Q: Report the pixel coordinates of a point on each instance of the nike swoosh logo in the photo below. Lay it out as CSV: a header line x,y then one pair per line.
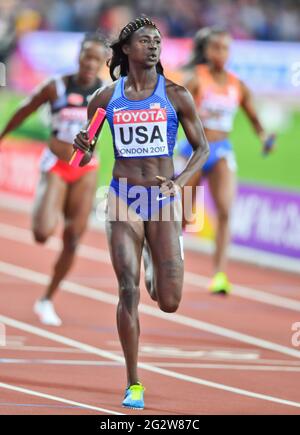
x,y
160,198
117,109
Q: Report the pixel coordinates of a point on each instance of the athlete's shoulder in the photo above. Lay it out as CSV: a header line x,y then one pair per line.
x,y
58,80
46,90
234,78
191,79
178,95
175,88
55,86
106,91
101,97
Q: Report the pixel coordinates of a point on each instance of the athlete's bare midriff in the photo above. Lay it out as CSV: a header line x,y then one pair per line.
x,y
142,172
63,150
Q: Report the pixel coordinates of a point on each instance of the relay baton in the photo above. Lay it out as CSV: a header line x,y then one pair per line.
x,y
92,129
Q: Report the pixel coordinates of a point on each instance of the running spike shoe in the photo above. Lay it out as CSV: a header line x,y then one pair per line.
x,y
220,284
134,397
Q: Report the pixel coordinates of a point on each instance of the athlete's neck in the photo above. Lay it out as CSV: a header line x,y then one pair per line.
x,y
141,79
218,71
219,75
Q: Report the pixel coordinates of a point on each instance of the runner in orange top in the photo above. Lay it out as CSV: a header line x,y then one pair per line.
x,y
218,94
62,189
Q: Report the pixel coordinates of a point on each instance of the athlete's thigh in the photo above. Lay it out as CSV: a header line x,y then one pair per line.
x,y
49,202
222,184
79,201
125,244
165,242
126,239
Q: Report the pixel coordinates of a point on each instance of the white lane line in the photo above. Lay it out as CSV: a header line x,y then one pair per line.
x,y
22,235
197,280
275,362
227,367
56,399
184,365
39,278
145,366
45,349
64,362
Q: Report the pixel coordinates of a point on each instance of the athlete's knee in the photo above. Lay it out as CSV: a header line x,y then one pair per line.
x,y
71,238
223,214
169,304
129,292
41,234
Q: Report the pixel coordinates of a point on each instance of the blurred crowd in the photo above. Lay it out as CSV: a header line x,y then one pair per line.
x,y
245,19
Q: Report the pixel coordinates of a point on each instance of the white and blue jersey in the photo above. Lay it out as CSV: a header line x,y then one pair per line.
x,y
142,128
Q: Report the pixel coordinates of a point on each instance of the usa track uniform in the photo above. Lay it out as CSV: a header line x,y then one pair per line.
x,y
142,129
68,117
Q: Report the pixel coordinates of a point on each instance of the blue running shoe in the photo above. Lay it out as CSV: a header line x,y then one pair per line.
x,y
134,397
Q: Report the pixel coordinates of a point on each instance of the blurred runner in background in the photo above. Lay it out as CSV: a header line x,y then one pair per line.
x,y
63,190
218,94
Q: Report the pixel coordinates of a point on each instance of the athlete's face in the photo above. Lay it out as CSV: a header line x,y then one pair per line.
x,y
144,46
91,60
217,50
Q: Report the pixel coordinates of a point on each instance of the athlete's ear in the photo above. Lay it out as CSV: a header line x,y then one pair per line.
x,y
126,49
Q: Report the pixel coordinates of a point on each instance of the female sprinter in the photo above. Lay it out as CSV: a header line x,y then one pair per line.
x,y
143,110
63,189
218,94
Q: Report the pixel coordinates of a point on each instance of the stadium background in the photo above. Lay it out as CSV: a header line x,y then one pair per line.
x,y
39,39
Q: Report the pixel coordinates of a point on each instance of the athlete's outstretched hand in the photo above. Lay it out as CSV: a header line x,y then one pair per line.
x,y
268,143
167,186
82,143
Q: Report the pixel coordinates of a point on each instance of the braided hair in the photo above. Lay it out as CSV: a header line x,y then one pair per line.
x,y
119,59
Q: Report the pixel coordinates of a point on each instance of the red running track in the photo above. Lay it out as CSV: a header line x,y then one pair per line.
x,y
217,355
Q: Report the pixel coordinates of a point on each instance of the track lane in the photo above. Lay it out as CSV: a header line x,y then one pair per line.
x,y
92,322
